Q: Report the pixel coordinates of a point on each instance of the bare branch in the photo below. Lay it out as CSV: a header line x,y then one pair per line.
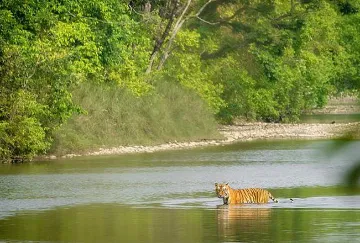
x,y
159,43
180,21
197,15
207,22
203,7
133,10
177,27
183,13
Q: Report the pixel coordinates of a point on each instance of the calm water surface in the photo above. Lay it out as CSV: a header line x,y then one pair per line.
x,y
169,196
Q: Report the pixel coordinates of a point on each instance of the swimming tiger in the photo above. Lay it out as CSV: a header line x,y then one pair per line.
x,y
247,195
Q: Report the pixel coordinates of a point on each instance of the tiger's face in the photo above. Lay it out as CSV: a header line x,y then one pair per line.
x,y
217,189
222,191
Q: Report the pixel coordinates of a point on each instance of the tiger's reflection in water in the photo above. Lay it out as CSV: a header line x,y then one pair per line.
x,y
240,223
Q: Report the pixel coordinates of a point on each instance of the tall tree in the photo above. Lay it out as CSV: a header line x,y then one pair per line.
x,y
178,12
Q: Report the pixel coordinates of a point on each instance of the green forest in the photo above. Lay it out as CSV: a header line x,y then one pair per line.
x,y
81,74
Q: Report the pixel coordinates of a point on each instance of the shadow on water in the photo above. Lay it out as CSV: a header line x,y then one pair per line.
x,y
237,223
254,224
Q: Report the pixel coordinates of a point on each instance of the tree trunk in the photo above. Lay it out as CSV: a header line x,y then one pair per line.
x,y
159,42
180,21
177,27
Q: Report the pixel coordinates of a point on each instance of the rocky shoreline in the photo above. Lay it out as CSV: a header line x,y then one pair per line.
x,y
340,105
244,131
237,133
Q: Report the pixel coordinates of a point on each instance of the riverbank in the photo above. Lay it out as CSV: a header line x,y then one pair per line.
x,y
340,105
237,133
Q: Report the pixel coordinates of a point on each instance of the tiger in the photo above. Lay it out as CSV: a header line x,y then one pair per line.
x,y
247,195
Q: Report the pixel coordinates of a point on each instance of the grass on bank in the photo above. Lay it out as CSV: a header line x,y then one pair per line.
x,y
115,117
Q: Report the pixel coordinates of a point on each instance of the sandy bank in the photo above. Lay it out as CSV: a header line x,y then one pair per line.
x,y
240,132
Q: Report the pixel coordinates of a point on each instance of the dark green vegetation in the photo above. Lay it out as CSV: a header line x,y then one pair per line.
x,y
262,60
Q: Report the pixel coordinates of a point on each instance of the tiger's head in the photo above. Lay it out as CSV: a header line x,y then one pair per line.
x,y
222,191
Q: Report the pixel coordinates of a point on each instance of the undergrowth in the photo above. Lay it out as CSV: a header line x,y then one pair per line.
x,y
115,117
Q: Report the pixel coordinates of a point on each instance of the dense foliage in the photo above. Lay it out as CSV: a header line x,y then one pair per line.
x,y
264,60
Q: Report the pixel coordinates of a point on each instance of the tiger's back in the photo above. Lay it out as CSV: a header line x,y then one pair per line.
x,y
239,196
250,195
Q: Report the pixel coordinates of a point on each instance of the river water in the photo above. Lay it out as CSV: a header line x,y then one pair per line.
x,y
169,196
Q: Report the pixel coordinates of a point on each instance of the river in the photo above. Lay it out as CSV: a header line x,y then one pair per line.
x,y
169,196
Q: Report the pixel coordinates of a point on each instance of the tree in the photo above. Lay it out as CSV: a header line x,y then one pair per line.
x,y
291,51
47,48
177,14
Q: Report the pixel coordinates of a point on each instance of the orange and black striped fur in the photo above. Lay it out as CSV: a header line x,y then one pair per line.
x,y
247,195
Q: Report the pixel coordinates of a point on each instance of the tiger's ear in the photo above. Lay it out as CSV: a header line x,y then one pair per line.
x,y
227,184
216,184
